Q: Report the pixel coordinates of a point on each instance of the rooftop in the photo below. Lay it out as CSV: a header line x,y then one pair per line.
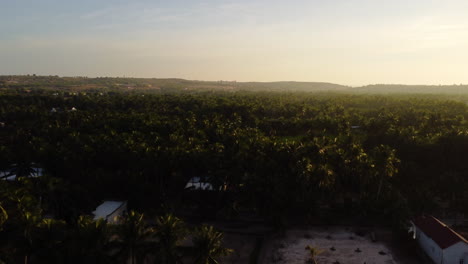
x,y
196,183
11,174
443,235
107,208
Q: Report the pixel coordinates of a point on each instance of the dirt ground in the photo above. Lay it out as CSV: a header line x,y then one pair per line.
x,y
243,245
336,245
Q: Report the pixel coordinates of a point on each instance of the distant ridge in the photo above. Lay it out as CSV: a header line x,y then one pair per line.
x,y
175,84
118,83
400,88
293,86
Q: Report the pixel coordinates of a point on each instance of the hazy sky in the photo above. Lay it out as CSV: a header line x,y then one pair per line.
x,y
350,42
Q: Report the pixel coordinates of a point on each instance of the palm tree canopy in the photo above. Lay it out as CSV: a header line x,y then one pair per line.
x,y
170,230
207,244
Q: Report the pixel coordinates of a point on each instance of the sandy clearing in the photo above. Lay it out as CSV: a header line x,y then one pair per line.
x,y
291,248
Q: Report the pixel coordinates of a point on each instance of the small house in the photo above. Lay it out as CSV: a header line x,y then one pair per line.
x,y
5,175
110,211
201,184
439,242
197,183
15,172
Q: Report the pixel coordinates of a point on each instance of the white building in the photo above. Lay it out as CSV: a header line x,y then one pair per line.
x,y
12,174
110,211
440,243
197,183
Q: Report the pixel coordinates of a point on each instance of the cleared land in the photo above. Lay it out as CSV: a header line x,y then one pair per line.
x,y
337,245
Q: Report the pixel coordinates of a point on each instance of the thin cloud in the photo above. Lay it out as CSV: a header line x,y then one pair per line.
x,y
96,14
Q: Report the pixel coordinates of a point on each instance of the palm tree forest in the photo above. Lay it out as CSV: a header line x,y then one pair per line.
x,y
279,155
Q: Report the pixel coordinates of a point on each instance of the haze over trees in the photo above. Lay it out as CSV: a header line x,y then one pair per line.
x,y
170,85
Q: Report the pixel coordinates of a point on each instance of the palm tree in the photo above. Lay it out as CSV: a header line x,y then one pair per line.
x,y
49,239
387,165
3,216
169,231
54,194
30,222
133,235
90,241
207,243
3,219
29,216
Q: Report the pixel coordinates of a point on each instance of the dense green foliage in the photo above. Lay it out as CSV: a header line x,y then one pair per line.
x,y
282,156
30,237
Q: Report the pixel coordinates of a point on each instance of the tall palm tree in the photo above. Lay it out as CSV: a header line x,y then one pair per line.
x,y
49,240
30,222
132,237
3,216
170,230
90,241
207,243
3,219
55,196
28,218
387,165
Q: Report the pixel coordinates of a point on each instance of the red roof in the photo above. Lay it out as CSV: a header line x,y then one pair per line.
x,y
443,235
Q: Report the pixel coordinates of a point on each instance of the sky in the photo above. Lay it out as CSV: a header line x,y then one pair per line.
x,y
350,42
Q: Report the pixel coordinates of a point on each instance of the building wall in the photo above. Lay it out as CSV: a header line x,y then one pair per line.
x,y
455,253
430,247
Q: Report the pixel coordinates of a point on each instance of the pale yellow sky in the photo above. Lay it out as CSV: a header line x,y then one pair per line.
x,y
352,42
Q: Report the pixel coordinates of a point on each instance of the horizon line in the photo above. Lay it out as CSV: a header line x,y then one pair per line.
x,y
232,81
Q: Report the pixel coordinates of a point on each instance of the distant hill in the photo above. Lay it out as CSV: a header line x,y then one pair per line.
x,y
84,83
293,86
32,82
426,89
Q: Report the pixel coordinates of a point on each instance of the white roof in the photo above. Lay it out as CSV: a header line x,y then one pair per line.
x,y
35,172
107,208
6,173
196,183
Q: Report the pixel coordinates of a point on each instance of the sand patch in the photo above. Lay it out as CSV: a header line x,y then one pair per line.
x,y
338,245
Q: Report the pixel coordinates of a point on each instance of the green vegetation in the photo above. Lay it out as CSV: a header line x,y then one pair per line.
x,y
208,245
286,157
313,252
29,237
